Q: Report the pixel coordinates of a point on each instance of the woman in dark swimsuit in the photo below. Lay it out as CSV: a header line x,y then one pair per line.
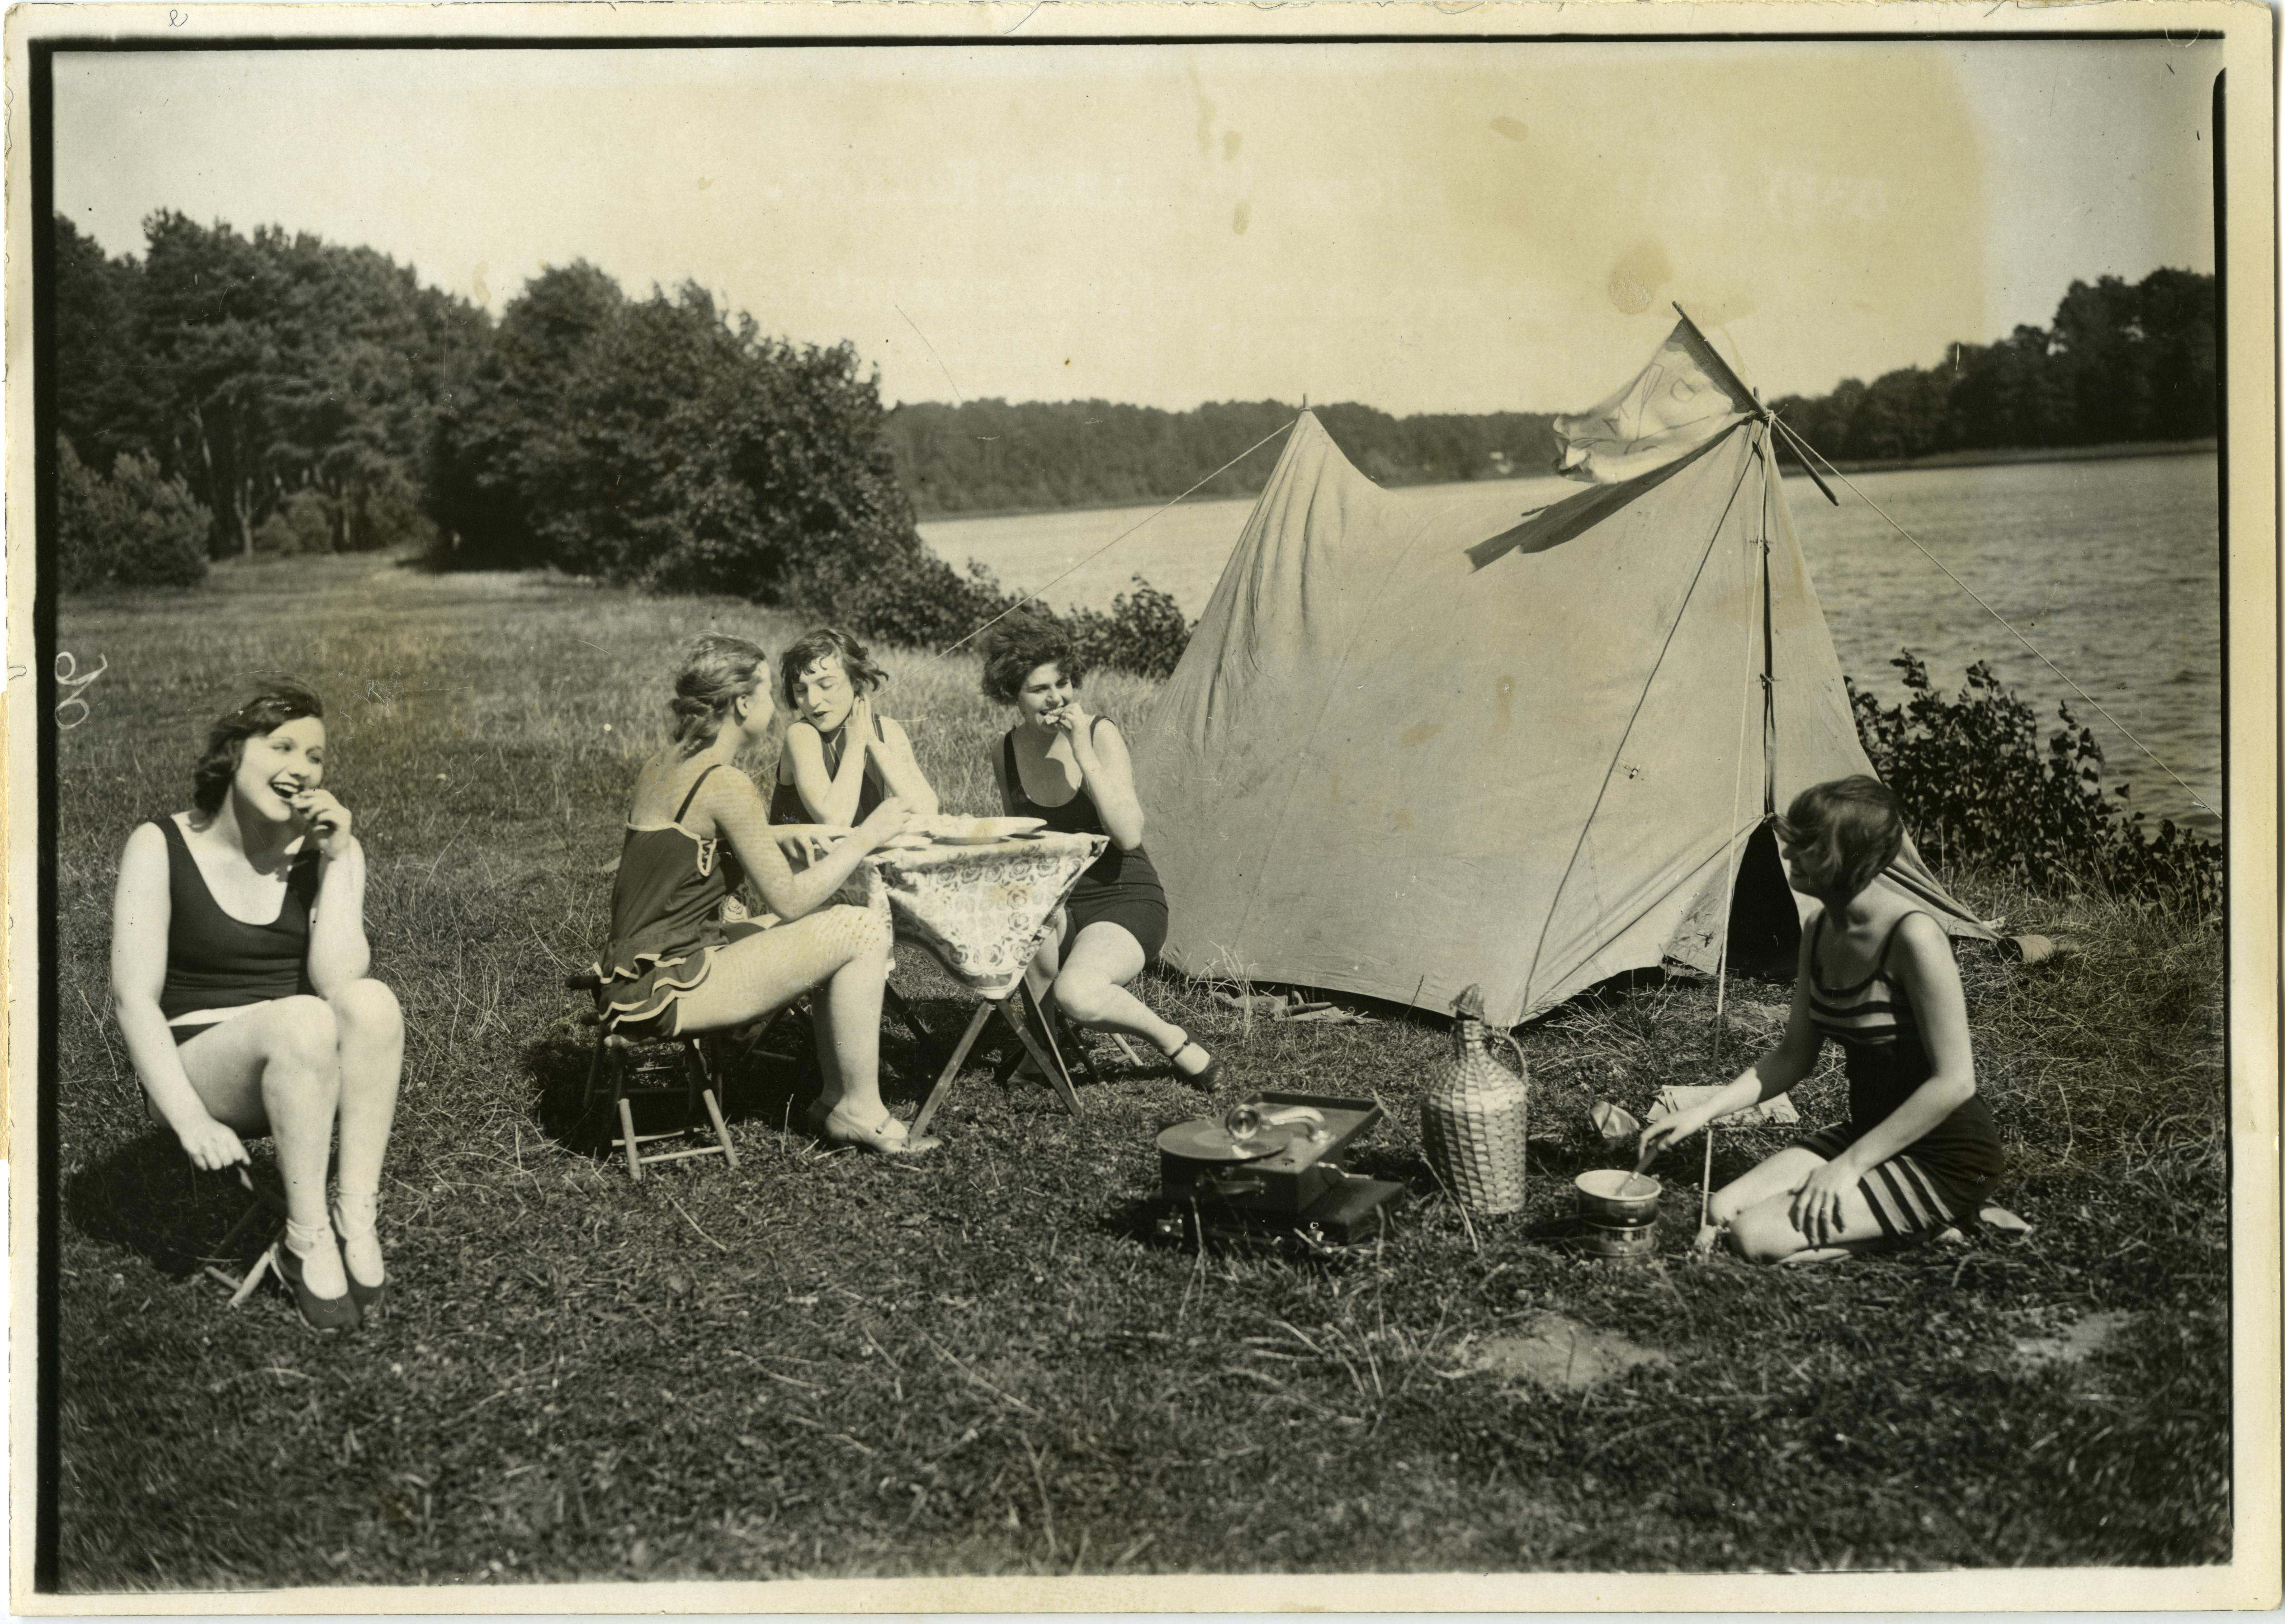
x,y
1070,769
1920,1150
239,1027
841,759
694,834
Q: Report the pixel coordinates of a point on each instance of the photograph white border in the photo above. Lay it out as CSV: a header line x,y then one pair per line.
x,y
2250,1579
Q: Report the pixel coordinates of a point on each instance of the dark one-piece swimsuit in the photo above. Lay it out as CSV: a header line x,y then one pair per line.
x,y
1944,1176
666,923
217,962
785,800
1120,888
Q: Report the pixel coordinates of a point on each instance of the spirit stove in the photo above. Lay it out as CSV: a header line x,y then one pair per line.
x,y
1271,1166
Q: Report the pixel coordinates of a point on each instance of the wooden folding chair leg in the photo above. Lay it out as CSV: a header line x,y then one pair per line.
x,y
951,1069
254,1274
721,1129
627,1138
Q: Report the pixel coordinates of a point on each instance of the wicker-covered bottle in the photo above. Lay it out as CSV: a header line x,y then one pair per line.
x,y
1473,1115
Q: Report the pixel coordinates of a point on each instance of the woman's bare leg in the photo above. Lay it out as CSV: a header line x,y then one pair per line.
x,y
275,1069
372,1030
1091,987
846,946
1765,1233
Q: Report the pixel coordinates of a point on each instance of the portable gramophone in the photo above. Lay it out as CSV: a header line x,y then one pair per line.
x,y
1270,1166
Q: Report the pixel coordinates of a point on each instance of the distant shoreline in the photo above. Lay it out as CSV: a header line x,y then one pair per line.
x,y
2030,453
1990,457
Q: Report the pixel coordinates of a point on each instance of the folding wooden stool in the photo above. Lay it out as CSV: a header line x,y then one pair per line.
x,y
264,1206
631,1068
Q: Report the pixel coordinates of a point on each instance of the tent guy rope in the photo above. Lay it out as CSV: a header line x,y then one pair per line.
x,y
1115,540
1808,451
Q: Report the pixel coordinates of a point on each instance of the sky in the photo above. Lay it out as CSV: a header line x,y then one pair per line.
x,y
1423,227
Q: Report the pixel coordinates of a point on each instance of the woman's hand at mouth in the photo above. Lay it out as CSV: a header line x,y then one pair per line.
x,y
326,819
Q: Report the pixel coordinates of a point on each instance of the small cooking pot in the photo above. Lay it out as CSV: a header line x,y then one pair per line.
x,y
1612,1196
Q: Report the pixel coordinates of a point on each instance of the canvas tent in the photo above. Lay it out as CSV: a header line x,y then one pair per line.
x,y
1414,745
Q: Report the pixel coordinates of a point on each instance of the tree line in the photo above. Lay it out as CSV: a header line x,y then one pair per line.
x,y
227,394
2121,363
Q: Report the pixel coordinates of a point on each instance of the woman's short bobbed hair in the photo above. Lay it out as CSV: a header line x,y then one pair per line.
x,y
828,643
1019,646
1844,833
271,706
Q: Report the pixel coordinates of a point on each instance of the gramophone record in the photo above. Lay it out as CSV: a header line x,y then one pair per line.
x,y
1205,1139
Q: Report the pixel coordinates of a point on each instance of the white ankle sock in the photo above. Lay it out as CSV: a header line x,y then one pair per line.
x,y
354,1214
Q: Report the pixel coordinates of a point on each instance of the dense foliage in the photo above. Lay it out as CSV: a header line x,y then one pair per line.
x,y
987,456
2120,364
138,527
657,442
1979,790
271,374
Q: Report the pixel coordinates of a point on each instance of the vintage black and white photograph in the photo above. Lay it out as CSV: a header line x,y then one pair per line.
x,y
1144,807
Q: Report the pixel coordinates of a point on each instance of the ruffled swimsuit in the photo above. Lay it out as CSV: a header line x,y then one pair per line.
x,y
666,923
1946,1173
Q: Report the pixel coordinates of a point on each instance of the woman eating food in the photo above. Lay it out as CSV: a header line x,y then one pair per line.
x,y
1069,769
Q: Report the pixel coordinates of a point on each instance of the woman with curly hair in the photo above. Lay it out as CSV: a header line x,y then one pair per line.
x,y
1070,769
842,757
694,834
238,974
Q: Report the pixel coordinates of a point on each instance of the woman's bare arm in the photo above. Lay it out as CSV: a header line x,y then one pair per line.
x,y
1109,776
828,797
141,910
901,770
742,816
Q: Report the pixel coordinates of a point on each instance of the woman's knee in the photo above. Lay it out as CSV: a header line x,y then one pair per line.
x,y
302,1052
1086,998
1760,1236
302,1030
864,932
366,1009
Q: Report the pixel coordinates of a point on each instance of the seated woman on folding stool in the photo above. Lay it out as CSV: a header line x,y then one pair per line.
x,y
1920,1148
694,834
239,1027
842,757
1115,921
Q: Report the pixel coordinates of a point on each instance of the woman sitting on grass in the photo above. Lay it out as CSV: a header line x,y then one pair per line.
x,y
1919,1150
1070,769
694,835
841,759
238,974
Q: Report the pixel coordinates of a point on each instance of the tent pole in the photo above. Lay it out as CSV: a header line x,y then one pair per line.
x,y
1759,558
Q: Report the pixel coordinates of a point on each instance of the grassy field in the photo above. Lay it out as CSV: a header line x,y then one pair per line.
x,y
825,1365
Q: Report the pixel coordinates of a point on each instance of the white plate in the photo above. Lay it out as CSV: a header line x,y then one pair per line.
x,y
981,831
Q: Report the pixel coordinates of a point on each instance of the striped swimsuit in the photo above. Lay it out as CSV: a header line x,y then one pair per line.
x,y
1948,1171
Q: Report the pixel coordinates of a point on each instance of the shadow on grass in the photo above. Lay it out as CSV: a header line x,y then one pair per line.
x,y
146,1197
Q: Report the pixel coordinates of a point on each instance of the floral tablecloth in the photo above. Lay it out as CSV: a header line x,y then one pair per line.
x,y
981,909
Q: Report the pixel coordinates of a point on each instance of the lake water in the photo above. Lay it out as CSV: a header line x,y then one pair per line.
x,y
2111,568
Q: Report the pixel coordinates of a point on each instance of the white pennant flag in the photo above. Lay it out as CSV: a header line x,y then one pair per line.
x,y
1684,398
